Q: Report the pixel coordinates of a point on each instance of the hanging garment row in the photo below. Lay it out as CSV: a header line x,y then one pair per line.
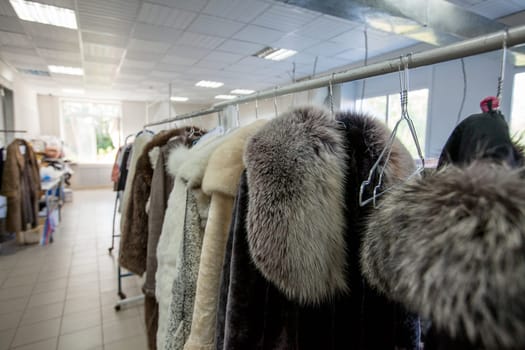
x,y
257,238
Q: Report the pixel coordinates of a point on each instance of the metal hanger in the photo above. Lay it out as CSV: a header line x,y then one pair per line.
x,y
257,106
275,104
503,63
331,95
385,154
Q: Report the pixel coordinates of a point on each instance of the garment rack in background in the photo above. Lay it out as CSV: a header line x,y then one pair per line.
x,y
482,44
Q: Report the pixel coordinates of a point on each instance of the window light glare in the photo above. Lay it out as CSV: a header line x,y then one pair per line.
x,y
46,14
270,53
242,92
66,70
225,97
209,84
73,91
178,99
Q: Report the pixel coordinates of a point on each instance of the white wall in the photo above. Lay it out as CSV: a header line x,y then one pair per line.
x,y
49,111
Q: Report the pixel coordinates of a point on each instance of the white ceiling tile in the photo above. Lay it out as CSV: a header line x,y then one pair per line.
x,y
15,39
142,55
29,51
285,17
60,61
238,10
164,75
205,24
69,4
98,59
61,55
303,58
39,30
104,39
494,9
125,76
99,68
68,79
117,9
165,16
200,40
143,65
325,27
211,64
103,25
351,55
195,53
295,42
6,9
154,47
259,35
97,50
55,45
11,24
240,47
169,67
220,56
193,5
172,59
326,49
15,58
144,31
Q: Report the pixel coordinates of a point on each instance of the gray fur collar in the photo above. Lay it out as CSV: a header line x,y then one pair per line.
x,y
296,168
451,247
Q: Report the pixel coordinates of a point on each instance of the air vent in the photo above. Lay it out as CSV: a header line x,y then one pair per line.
x,y
38,73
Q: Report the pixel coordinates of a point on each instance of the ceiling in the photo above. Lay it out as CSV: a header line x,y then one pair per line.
x,y
132,49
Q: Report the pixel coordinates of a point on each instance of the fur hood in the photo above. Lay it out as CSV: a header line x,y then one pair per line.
x,y
450,246
176,157
226,165
296,169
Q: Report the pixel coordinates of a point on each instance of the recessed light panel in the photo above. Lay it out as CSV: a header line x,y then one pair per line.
x,y
178,99
209,84
66,70
273,54
225,97
242,92
46,14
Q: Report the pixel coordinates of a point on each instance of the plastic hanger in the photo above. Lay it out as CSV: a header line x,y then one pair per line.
x,y
385,154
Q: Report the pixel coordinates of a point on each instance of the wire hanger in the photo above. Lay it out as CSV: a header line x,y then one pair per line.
x,y
385,154
331,95
503,63
275,104
257,106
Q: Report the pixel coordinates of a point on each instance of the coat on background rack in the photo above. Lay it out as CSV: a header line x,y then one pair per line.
x,y
220,183
21,186
291,276
450,245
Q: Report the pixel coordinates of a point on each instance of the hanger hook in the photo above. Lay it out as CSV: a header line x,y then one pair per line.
x,y
501,77
275,102
257,106
237,115
331,95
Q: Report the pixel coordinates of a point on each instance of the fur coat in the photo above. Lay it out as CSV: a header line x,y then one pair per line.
x,y
220,183
138,145
134,235
450,245
291,277
21,186
180,224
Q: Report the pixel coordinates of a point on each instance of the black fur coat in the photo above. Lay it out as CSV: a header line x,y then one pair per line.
x,y
291,277
451,246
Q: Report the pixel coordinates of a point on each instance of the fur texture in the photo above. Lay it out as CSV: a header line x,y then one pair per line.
x,y
133,244
296,221
451,247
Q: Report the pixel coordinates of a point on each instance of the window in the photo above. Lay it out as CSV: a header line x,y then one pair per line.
x,y
91,130
388,109
517,116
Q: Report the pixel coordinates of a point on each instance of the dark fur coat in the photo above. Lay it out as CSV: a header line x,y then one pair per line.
x,y
134,236
291,276
450,246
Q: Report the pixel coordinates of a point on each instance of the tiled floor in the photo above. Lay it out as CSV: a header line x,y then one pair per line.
x,y
62,296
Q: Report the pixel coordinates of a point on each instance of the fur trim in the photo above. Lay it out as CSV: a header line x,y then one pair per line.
x,y
192,171
225,164
450,246
176,157
153,157
295,220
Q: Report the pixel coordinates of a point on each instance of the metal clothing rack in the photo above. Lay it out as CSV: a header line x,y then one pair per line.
x,y
482,44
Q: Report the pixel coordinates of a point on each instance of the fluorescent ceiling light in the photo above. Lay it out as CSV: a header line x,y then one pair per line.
x,y
209,84
73,91
270,53
178,99
66,70
47,14
225,97
242,92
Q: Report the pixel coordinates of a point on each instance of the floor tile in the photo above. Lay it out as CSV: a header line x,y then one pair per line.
x,y
48,344
110,315
42,312
20,280
36,332
83,340
5,338
131,343
10,320
47,297
78,321
12,305
122,329
49,286
81,304
15,292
